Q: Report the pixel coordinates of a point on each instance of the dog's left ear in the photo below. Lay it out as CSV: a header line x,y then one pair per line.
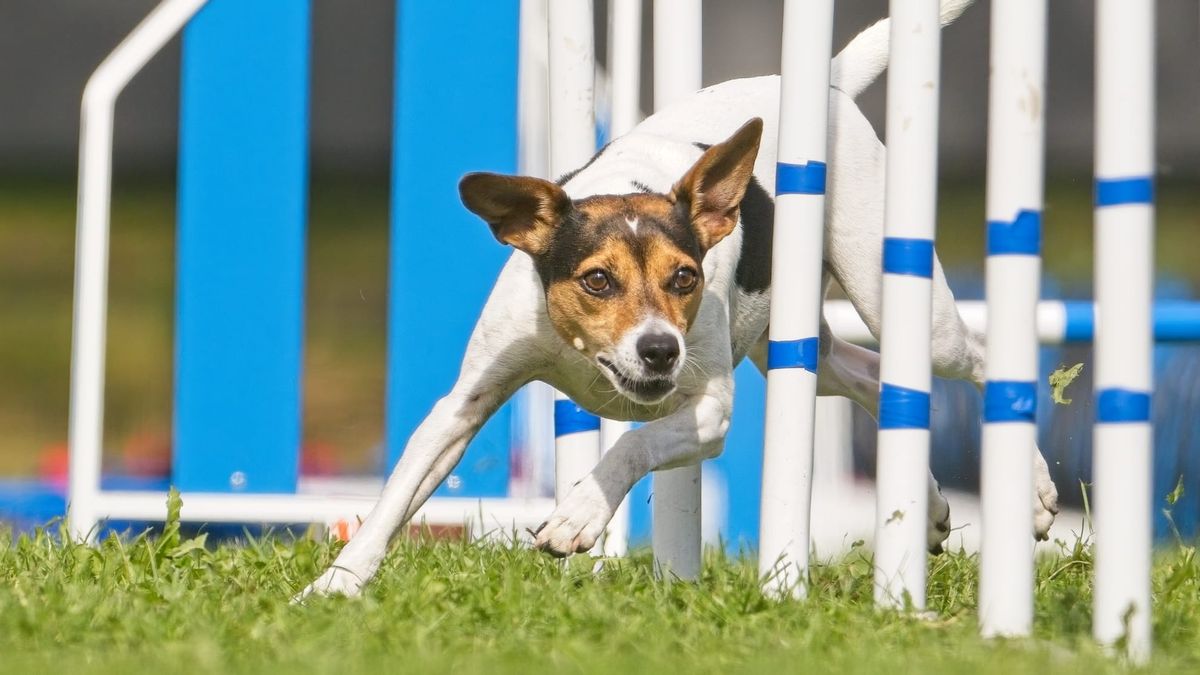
x,y
713,188
521,210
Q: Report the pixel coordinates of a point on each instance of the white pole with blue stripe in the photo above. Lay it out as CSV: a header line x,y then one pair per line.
x,y
1016,102
1123,437
676,497
909,223
572,142
625,62
795,297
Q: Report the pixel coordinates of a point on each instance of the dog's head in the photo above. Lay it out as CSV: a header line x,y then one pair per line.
x,y
622,273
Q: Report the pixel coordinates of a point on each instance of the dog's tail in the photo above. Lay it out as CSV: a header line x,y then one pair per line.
x,y
862,60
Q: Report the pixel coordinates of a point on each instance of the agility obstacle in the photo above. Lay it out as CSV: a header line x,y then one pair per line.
x,y
243,187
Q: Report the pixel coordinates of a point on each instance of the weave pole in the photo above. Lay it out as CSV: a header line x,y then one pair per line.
x,y
572,143
624,71
1124,268
796,297
909,212
676,492
1016,104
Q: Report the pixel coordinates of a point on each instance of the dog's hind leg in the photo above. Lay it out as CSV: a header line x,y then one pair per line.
x,y
957,352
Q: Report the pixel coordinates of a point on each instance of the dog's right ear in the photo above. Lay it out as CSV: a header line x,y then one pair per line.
x,y
522,211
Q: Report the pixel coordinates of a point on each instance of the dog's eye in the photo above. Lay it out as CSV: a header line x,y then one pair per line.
x,y
596,281
685,279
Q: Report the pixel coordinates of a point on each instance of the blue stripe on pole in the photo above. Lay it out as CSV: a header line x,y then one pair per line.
x,y
1022,236
910,257
800,179
903,408
1009,401
571,419
793,354
1119,191
243,192
1081,321
1122,405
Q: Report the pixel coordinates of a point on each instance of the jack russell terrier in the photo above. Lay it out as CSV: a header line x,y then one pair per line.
x,y
641,279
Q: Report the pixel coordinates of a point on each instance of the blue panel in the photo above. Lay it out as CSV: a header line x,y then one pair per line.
x,y
455,111
242,209
741,463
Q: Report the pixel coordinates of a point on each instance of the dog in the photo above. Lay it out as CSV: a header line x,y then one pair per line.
x,y
641,279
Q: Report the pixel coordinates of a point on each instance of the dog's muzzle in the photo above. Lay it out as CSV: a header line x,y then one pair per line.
x,y
647,390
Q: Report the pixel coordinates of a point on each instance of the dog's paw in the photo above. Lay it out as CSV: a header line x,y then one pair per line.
x,y
1045,499
576,523
938,528
336,580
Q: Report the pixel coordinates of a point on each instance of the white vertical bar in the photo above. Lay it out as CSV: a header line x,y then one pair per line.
x,y
624,72
86,426
796,298
909,222
676,532
1123,436
1016,103
533,157
678,50
625,64
533,105
572,85
572,142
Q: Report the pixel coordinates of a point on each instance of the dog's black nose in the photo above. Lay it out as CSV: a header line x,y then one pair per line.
x,y
658,351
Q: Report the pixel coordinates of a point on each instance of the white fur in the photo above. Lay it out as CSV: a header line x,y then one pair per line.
x,y
514,341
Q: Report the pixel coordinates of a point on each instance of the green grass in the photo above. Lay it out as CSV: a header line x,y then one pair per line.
x,y
169,604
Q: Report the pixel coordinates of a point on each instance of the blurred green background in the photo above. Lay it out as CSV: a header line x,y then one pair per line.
x,y
346,293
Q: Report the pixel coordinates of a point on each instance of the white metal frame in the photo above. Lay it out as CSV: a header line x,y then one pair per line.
x,y
88,505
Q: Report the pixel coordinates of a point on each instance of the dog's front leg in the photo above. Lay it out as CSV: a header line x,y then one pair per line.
x,y
434,449
506,349
692,433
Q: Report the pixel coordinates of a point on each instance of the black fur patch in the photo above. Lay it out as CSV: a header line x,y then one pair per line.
x,y
642,187
758,227
702,146
566,177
